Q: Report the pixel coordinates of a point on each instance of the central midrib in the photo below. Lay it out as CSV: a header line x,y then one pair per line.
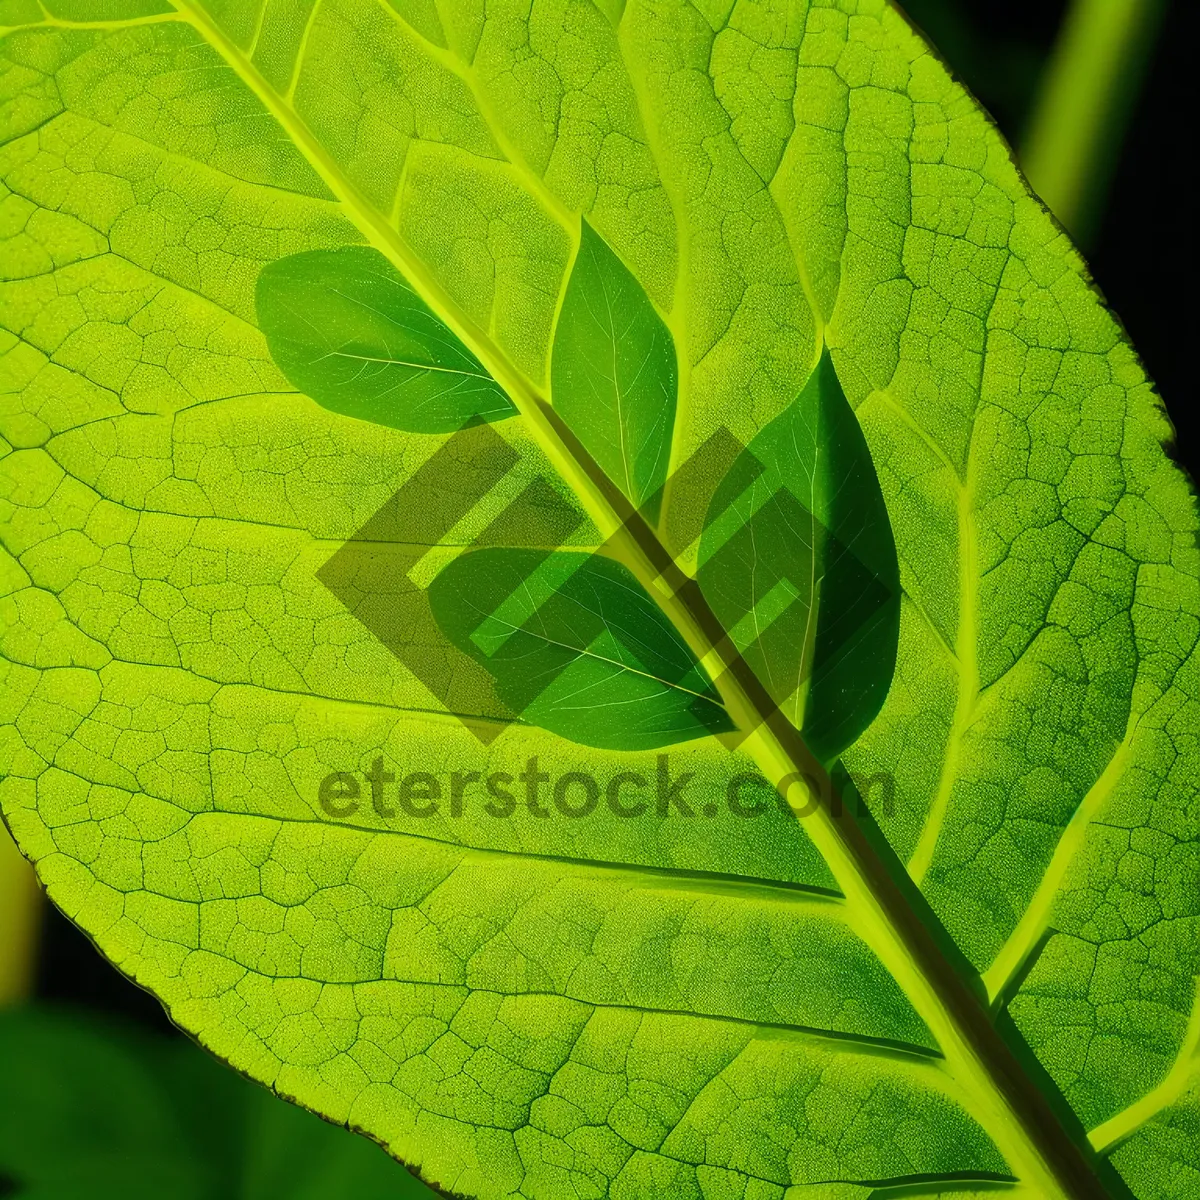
x,y
1043,1153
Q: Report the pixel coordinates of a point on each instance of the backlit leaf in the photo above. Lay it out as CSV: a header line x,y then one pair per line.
x,y
250,763
798,562
345,327
613,372
577,647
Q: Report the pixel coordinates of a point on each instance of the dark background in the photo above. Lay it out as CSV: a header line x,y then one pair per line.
x,y
1142,254
1142,257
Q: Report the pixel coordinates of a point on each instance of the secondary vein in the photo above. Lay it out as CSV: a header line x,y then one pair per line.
x,y
1018,1115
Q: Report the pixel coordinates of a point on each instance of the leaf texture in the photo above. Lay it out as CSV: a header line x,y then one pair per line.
x,y
577,647
346,328
675,1005
614,377
797,553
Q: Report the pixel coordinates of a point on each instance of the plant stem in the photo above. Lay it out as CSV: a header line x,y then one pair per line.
x,y
20,917
1084,103
1026,1131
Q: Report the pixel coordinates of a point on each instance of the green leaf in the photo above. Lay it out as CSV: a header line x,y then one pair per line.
x,y
798,563
1161,1154
578,647
987,983
613,373
93,1108
345,327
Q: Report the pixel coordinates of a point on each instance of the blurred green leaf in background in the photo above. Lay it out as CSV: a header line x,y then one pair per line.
x,y
1061,80
93,1108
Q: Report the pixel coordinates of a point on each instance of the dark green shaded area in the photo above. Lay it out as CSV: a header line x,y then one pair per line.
x,y
576,646
614,377
798,562
93,1109
346,328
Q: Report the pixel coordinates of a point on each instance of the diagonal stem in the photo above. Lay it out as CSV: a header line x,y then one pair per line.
x,y
1018,1116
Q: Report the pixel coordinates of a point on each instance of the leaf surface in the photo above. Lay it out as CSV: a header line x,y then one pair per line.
x,y
613,372
679,1003
798,562
577,647
346,328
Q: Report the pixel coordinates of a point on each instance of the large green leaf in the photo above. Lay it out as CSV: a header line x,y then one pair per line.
x,y
711,997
